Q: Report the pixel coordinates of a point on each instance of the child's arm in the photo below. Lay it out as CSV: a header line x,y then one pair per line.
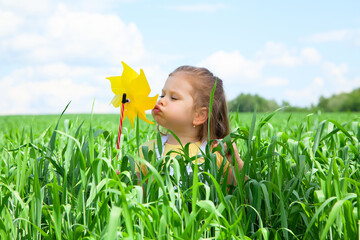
x,y
231,176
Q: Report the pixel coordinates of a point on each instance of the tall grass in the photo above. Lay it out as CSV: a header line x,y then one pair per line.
x,y
59,181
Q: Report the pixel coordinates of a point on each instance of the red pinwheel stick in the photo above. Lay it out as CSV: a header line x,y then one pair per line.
x,y
124,100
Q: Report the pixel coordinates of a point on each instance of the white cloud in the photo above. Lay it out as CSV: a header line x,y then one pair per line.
x,y
276,82
306,95
26,42
74,35
278,54
9,23
310,55
352,35
338,77
357,38
67,57
156,78
34,6
332,36
336,72
39,96
241,74
48,88
199,7
334,80
319,82
232,66
62,70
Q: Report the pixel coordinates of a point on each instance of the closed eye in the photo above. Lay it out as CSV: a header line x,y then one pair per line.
x,y
172,97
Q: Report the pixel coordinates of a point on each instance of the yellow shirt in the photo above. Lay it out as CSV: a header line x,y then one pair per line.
x,y
194,149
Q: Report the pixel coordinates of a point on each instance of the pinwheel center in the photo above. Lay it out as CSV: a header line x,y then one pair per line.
x,y
124,100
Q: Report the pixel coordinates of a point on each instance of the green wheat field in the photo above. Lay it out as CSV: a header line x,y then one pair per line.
x,y
58,180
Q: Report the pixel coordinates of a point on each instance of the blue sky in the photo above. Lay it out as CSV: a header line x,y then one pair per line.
x,y
52,52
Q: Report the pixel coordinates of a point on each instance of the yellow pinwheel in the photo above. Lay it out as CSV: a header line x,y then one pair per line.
x,y
132,93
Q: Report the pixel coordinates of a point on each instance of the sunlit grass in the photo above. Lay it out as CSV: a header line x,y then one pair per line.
x,y
60,181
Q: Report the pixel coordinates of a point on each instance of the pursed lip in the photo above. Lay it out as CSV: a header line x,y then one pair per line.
x,y
156,109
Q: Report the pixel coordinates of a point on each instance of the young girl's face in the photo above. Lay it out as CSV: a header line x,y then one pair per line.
x,y
174,110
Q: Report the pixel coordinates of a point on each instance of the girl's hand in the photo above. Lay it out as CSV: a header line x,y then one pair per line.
x,y
240,163
227,151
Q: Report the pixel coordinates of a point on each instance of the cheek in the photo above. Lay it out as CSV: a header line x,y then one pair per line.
x,y
177,108
181,113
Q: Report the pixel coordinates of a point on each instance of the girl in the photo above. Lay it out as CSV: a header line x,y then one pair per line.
x,y
183,108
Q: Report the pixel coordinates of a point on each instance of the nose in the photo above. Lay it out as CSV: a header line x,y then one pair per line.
x,y
162,102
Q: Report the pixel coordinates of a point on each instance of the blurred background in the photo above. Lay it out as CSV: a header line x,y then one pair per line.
x,y
305,54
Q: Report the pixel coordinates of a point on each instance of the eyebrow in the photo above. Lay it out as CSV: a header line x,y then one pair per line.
x,y
172,91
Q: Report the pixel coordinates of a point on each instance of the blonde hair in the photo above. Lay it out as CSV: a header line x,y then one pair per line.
x,y
202,81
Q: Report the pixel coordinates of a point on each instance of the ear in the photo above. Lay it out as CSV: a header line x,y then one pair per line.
x,y
201,116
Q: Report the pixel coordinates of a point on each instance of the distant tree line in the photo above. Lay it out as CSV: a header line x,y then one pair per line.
x,y
247,103
341,102
336,103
